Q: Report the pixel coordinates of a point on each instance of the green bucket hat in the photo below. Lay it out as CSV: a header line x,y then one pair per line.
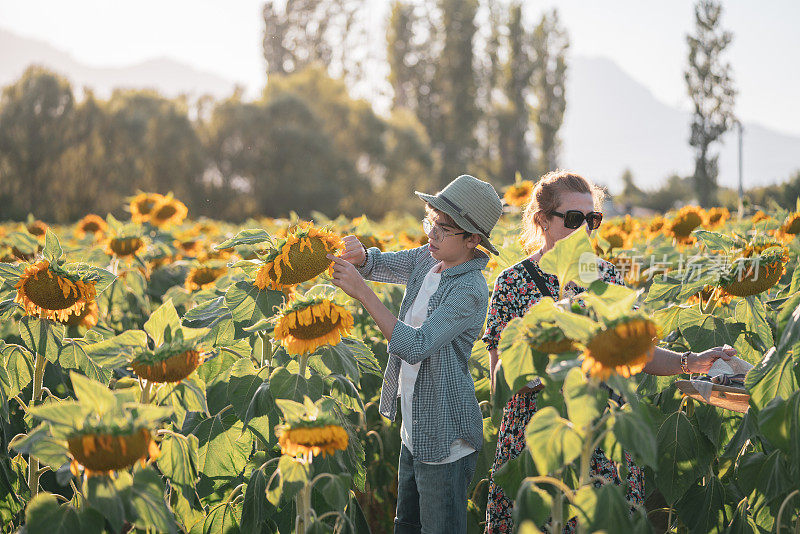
x,y
473,204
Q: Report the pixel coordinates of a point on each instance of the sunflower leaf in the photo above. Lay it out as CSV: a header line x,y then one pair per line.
x,y
117,350
52,248
571,259
179,459
42,336
44,516
552,441
103,494
40,444
92,393
252,236
163,323
144,502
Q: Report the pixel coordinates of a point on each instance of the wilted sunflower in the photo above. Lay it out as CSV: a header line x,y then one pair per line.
x,y
519,193
37,228
716,217
792,224
167,366
312,438
623,346
53,293
299,257
306,325
123,247
754,275
687,219
88,317
170,211
91,224
101,452
203,277
142,205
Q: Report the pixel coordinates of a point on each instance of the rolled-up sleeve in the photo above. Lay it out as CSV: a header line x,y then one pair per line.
x,y
390,267
458,312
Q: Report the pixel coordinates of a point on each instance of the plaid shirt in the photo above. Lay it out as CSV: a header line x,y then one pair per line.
x,y
445,407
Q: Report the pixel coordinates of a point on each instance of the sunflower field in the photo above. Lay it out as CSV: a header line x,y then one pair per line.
x,y
164,374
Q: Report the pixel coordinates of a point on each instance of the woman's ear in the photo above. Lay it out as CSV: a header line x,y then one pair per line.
x,y
541,220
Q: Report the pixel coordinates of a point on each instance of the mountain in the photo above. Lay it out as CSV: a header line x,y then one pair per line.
x,y
169,77
612,121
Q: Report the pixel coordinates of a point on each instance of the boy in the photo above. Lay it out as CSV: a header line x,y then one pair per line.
x,y
442,313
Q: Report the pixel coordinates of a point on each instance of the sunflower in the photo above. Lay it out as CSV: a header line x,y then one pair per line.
x,y
702,296
88,317
169,366
189,247
37,228
518,194
792,224
656,226
170,211
551,340
312,438
299,257
371,240
624,346
754,275
91,224
687,219
616,237
101,452
203,277
306,325
142,205
716,217
53,293
123,247
760,216
408,240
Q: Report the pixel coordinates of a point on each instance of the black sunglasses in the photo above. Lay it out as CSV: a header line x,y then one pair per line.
x,y
574,219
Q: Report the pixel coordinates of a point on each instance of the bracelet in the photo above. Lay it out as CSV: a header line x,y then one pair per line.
x,y
685,362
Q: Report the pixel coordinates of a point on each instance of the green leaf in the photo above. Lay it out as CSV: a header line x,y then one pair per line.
x,y
42,446
251,236
256,509
42,336
248,390
701,506
144,501
791,332
286,385
553,441
73,356
663,289
571,259
118,350
224,445
772,377
703,332
294,475
223,519
52,248
44,516
678,456
162,323
603,508
532,503
64,413
742,522
584,400
19,365
750,311
511,475
609,301
249,304
179,459
207,314
667,319
634,430
715,241
335,490
92,393
367,362
104,495
518,359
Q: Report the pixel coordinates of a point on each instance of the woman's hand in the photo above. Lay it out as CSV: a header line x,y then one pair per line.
x,y
701,362
354,251
347,278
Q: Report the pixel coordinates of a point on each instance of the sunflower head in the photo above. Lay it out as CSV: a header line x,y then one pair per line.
x,y
518,194
705,294
656,225
167,365
204,276
91,225
301,256
305,325
760,216
87,318
687,219
616,237
371,240
170,211
792,224
312,438
622,346
142,205
753,275
100,451
37,228
124,247
47,290
716,217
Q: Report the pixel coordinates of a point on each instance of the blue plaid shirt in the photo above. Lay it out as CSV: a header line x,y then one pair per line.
x,y
444,407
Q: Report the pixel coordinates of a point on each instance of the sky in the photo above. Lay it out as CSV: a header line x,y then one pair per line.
x,y
645,38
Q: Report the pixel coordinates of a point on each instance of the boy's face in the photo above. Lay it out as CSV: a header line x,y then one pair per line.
x,y
447,242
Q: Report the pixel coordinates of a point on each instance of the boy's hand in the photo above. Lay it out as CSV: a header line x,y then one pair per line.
x,y
347,278
353,250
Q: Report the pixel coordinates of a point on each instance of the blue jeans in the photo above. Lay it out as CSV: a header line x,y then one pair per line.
x,y
432,499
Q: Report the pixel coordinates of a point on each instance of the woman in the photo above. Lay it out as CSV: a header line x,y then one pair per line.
x,y
550,216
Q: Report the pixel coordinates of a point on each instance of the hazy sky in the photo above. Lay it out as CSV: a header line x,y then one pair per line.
x,y
646,38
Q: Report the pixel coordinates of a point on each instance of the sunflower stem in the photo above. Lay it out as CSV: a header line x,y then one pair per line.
x,y
303,501
145,398
303,362
33,463
711,303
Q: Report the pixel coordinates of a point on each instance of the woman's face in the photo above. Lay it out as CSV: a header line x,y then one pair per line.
x,y
570,200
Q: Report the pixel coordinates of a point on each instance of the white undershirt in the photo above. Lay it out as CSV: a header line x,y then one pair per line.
x,y
414,317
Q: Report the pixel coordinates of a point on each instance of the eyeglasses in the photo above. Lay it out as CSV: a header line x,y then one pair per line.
x,y
574,219
435,231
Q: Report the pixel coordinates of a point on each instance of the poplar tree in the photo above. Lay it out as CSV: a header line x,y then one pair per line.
x,y
710,85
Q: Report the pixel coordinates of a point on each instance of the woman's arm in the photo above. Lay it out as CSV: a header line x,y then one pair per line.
x,y
667,362
493,359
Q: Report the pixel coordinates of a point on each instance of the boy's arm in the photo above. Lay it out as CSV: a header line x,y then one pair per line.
x,y
372,264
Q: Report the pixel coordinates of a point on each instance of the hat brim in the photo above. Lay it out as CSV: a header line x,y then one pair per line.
x,y
462,223
727,397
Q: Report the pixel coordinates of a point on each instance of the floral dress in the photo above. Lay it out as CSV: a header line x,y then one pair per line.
x,y
514,293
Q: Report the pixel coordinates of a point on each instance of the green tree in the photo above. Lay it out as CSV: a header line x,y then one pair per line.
x,y
34,114
710,85
550,41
